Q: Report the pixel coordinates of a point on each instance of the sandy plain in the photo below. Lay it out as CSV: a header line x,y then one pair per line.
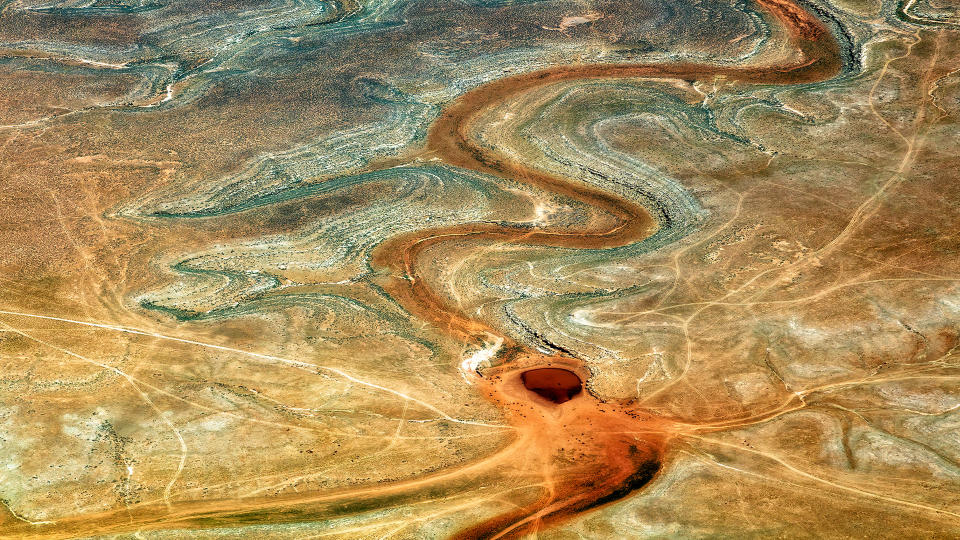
x,y
279,269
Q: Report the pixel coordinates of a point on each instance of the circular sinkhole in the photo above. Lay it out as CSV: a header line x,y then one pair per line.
x,y
557,385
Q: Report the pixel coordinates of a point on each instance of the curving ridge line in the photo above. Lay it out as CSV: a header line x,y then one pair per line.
x,y
449,139
614,463
613,460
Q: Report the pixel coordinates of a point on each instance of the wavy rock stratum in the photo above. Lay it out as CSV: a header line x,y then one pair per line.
x,y
481,269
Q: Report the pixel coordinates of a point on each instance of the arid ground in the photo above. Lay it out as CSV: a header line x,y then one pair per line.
x,y
553,269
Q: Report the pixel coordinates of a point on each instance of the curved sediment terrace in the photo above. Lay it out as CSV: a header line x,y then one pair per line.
x,y
511,270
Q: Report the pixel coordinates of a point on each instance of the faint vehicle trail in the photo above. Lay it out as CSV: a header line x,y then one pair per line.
x,y
614,448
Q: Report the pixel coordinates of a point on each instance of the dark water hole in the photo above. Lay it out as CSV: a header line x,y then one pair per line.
x,y
557,385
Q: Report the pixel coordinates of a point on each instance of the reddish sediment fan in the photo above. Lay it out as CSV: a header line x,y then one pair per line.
x,y
584,451
589,452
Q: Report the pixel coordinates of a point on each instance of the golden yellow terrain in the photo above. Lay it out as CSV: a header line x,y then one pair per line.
x,y
295,270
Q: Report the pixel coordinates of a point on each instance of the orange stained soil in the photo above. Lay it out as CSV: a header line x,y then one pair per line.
x,y
587,451
582,450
